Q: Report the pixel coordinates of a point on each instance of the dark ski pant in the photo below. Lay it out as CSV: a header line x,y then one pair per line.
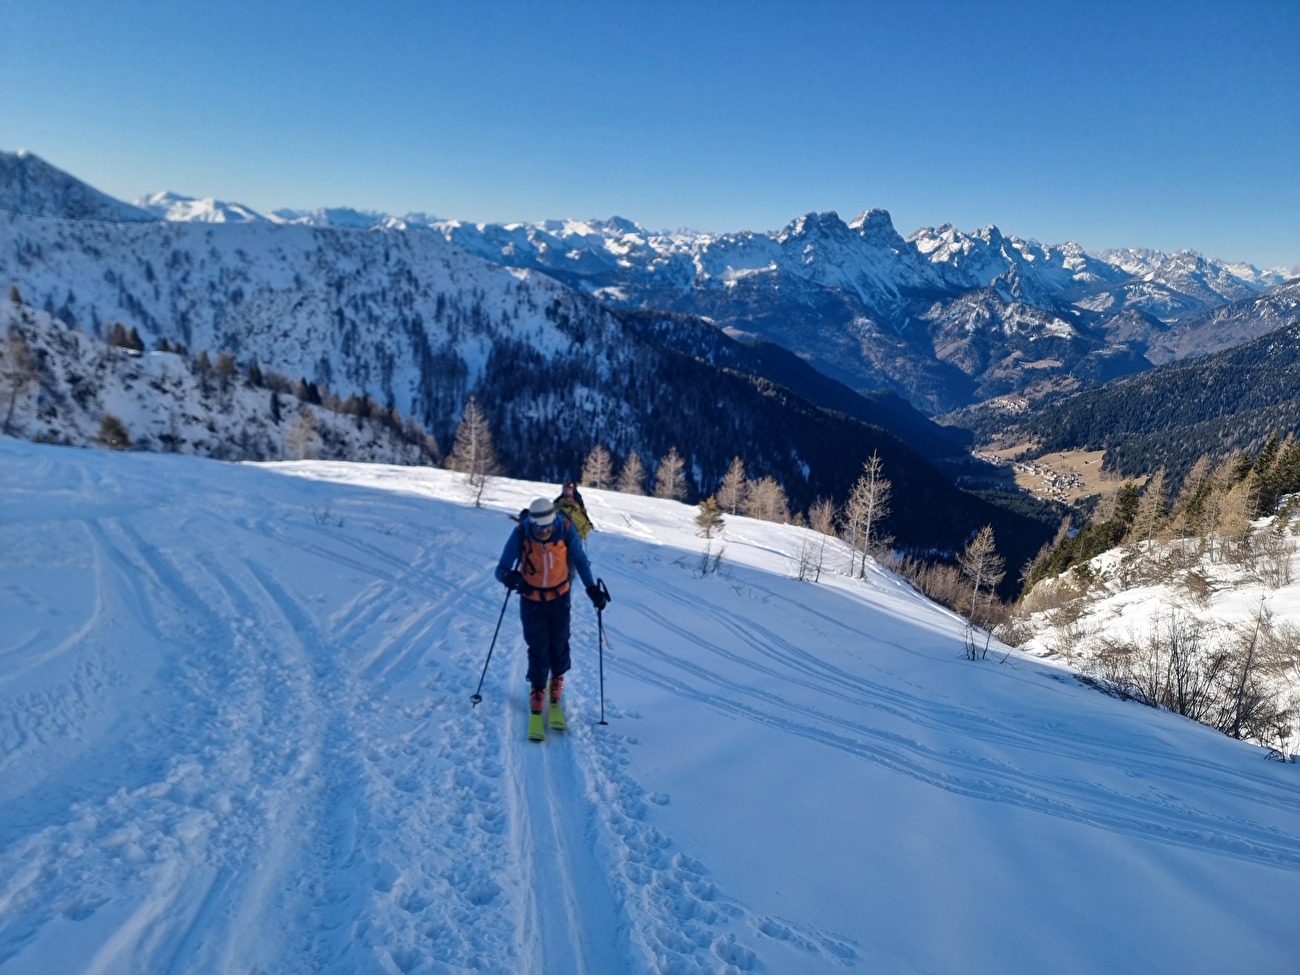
x,y
546,631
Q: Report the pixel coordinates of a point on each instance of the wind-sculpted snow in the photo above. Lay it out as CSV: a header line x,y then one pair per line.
x,y
236,735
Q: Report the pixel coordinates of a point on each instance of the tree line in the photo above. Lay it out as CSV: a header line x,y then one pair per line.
x,y
1212,512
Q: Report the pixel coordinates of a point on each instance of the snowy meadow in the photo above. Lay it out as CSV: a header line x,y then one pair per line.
x,y
236,735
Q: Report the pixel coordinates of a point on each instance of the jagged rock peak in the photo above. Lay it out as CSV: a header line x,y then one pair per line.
x,y
827,223
877,225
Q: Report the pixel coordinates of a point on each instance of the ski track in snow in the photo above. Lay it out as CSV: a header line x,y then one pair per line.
x,y
296,798
681,663
299,782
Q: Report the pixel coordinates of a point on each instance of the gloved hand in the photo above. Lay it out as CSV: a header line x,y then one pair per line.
x,y
598,597
513,579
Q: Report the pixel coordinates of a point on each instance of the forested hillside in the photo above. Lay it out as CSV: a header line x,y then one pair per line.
x,y
1170,416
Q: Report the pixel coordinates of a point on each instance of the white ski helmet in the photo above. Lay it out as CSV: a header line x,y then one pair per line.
x,y
541,512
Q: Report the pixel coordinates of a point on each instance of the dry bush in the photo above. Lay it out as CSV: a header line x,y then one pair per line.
x,y
1273,555
1238,685
1195,585
938,581
1071,638
1053,594
1014,629
1112,662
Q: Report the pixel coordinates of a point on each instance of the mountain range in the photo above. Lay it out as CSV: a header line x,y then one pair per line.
x,y
804,349
942,317
418,324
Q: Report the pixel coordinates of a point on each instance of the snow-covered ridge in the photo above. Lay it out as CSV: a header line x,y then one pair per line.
x,y
855,300
31,186
166,403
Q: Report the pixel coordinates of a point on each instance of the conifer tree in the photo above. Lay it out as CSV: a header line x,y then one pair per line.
x,y
709,521
766,499
1235,512
731,495
821,516
1190,508
1149,513
1287,480
631,478
670,478
225,370
982,569
473,452
1266,469
598,470
868,505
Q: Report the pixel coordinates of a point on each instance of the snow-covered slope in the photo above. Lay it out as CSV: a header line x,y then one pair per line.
x,y
237,736
31,186
166,401
1141,599
407,318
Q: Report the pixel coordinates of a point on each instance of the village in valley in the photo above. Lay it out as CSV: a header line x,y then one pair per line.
x,y
1065,476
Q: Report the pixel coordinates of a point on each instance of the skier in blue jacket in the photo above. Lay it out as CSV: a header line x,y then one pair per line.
x,y
536,562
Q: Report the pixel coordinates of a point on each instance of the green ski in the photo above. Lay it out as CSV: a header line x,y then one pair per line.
x,y
536,727
557,717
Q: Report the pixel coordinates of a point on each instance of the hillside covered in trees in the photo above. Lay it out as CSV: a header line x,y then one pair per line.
x,y
1168,417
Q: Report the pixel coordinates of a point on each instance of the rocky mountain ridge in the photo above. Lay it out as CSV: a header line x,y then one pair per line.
x,y
943,318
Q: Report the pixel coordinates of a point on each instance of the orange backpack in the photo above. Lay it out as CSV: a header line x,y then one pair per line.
x,y
544,565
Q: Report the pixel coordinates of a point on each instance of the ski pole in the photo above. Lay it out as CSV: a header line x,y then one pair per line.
x,y
600,629
477,696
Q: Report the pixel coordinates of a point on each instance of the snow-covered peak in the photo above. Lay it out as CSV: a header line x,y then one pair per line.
x,y
174,206
1268,278
1189,273
344,217
876,224
31,186
826,224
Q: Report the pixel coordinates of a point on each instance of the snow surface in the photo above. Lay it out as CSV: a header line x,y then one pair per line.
x,y
236,735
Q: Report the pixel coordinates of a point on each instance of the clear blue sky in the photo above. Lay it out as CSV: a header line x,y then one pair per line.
x,y
1154,124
